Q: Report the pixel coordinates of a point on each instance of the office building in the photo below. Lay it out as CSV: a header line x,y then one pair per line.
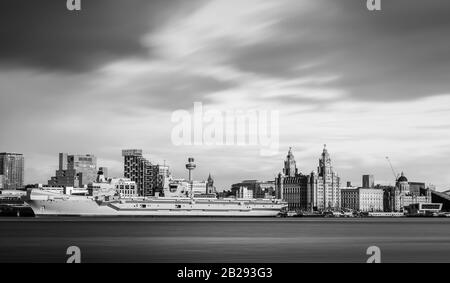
x,y
371,200
12,168
350,199
362,199
260,189
368,181
294,187
295,191
416,188
75,171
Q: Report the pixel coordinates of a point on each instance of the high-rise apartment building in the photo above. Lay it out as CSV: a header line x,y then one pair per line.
x,y
75,171
12,169
150,179
139,170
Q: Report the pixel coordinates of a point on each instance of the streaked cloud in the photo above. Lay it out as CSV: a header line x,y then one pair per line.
x,y
45,35
367,84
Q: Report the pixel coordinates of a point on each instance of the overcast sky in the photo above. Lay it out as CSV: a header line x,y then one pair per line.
x,y
367,84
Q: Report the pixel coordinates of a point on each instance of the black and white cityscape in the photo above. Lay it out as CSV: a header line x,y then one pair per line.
x,y
319,193
224,131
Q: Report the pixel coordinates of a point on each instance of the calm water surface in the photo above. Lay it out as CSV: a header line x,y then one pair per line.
x,y
224,240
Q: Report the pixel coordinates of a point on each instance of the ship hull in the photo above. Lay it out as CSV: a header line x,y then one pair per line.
x,y
91,209
51,205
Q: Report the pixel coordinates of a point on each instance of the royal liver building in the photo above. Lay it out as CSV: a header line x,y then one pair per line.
x,y
326,184
316,191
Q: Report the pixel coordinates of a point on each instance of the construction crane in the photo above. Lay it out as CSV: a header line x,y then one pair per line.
x,y
396,176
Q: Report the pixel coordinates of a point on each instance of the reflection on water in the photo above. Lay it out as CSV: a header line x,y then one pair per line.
x,y
224,240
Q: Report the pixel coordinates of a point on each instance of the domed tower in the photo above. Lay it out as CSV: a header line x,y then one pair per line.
x,y
403,184
290,166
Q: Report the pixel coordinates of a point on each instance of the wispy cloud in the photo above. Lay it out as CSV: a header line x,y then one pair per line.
x,y
369,85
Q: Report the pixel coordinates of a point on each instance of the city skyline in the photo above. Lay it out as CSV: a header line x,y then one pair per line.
x,y
290,170
364,83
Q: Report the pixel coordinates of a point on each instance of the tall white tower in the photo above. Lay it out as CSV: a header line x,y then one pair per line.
x,y
190,166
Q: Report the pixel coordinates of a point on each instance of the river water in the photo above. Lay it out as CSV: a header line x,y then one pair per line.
x,y
224,240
